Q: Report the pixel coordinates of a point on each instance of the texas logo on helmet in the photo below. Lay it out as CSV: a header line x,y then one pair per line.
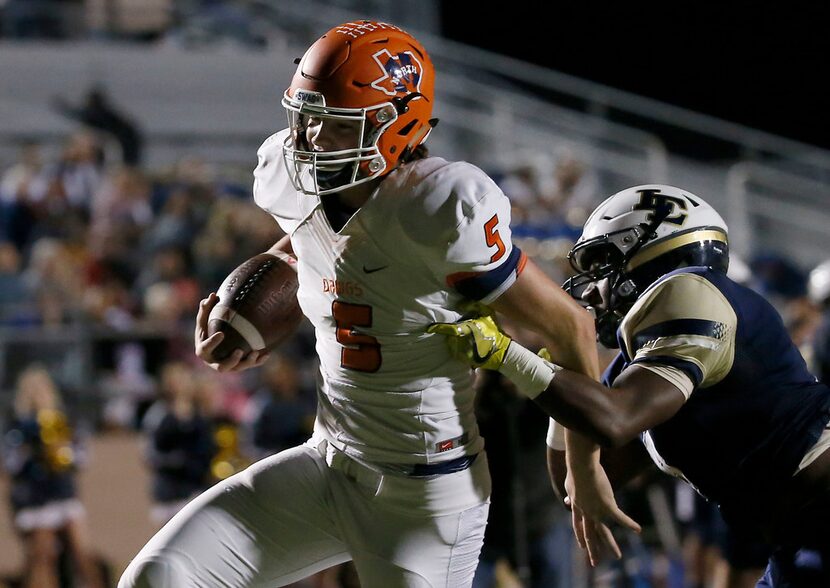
x,y
401,73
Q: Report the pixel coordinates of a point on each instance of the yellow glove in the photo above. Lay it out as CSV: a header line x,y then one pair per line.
x,y
478,341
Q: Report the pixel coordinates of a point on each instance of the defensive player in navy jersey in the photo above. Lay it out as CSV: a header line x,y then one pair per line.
x,y
707,380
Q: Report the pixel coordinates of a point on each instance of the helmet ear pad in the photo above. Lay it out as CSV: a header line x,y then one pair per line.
x,y
409,129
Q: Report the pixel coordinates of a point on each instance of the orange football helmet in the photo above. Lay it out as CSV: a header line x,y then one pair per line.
x,y
371,77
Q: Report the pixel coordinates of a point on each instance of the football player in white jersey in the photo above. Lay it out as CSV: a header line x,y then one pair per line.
x,y
388,241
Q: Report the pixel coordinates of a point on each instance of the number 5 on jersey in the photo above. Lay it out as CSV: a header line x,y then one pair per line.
x,y
493,239
360,352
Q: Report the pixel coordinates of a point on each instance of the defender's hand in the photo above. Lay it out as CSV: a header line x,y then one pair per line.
x,y
594,508
478,341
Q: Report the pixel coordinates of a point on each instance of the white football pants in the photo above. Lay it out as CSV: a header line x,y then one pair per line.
x,y
310,507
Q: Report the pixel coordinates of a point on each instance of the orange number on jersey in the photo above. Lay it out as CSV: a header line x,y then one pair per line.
x,y
493,238
360,352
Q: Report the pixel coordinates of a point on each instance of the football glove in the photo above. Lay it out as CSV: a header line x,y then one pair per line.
x,y
477,342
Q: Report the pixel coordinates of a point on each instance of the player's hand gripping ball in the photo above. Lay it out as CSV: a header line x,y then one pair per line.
x,y
257,306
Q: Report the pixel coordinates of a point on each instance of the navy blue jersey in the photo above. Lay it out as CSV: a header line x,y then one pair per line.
x,y
180,452
753,408
37,478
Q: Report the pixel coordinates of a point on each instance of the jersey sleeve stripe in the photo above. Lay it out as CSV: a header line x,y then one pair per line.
x,y
690,368
686,326
486,286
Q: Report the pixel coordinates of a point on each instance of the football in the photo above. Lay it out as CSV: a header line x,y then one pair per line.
x,y
257,306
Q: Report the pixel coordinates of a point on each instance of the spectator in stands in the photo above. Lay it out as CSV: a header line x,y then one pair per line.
x,y
281,411
803,318
18,184
521,185
50,199
573,190
223,406
213,21
13,289
54,276
784,282
129,20
61,201
818,289
108,302
550,198
778,278
527,530
129,390
180,443
176,224
79,171
96,111
169,265
32,19
121,212
41,455
195,174
162,309
227,233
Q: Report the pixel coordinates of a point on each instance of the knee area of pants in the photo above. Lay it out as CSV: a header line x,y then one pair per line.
x,y
153,573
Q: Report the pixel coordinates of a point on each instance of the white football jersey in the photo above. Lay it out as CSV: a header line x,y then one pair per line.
x,y
434,236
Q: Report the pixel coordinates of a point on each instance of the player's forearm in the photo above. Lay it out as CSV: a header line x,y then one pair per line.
x,y
598,414
582,439
578,351
537,303
569,333
557,470
582,451
621,464
582,448
584,407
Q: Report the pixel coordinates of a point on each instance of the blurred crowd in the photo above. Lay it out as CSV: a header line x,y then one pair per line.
x,y
95,245
189,23
100,254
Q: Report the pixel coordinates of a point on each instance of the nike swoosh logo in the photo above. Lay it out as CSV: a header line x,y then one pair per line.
x,y
374,269
477,357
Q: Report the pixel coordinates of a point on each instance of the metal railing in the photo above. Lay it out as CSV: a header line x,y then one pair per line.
x,y
775,210
490,117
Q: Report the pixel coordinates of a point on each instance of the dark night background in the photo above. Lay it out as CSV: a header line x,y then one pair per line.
x,y
763,66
